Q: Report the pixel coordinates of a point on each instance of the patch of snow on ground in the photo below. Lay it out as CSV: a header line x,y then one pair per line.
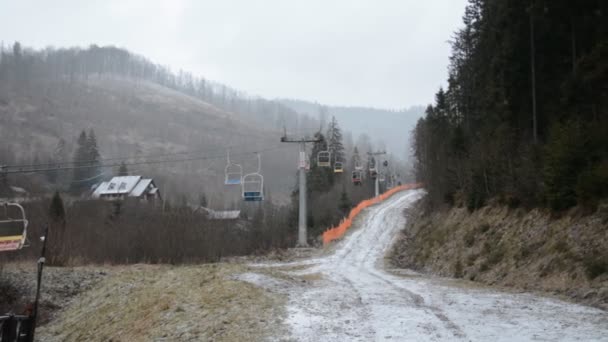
x,y
357,300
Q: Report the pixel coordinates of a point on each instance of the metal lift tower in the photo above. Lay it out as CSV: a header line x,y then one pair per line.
x,y
302,235
376,184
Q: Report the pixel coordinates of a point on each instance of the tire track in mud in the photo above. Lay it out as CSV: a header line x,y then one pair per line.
x,y
419,301
379,274
379,234
355,299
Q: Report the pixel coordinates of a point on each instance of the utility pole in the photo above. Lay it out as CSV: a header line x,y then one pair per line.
x,y
376,184
302,210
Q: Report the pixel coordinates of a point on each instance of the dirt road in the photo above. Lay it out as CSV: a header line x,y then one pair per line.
x,y
348,295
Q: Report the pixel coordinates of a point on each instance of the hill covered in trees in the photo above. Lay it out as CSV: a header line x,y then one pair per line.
x,y
525,115
390,128
137,109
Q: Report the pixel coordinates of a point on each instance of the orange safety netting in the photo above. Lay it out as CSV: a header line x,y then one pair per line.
x,y
339,230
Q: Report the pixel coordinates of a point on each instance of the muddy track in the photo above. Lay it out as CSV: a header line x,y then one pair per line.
x,y
354,299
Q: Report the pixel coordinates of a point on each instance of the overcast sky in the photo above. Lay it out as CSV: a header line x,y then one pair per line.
x,y
382,53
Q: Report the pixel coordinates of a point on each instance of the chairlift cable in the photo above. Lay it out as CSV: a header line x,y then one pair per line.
x,y
20,169
71,162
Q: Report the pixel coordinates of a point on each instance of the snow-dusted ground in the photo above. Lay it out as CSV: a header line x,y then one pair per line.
x,y
352,298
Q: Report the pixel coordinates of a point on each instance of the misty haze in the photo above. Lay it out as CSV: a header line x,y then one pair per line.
x,y
303,170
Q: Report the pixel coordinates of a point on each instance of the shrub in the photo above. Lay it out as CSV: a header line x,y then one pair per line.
x,y
564,161
469,238
471,259
496,255
592,185
458,270
142,233
595,265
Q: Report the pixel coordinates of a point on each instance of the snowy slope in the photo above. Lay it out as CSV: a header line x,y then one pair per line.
x,y
353,298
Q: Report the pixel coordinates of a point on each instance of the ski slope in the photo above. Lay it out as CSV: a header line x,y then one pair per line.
x,y
353,298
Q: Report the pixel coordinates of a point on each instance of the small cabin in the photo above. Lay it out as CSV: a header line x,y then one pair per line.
x,y
122,187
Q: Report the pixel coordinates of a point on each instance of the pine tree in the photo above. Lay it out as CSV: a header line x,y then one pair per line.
x,y
122,170
56,209
202,200
320,179
92,160
92,152
334,142
80,157
57,249
345,203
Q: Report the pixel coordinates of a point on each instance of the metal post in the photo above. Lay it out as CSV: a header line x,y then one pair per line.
x,y
41,262
377,186
377,166
302,213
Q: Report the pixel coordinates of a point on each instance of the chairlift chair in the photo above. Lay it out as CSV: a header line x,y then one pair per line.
x,y
338,167
13,231
233,173
253,185
324,159
391,182
372,165
358,165
357,178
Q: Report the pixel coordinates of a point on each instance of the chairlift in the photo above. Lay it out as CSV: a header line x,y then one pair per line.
x,y
358,165
253,184
357,177
391,182
381,178
324,159
372,165
13,231
338,167
373,171
233,172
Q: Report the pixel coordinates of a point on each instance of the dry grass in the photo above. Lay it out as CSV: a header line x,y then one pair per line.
x,y
144,302
524,249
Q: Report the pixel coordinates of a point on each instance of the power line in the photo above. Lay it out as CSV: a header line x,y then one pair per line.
x,y
90,178
145,162
62,163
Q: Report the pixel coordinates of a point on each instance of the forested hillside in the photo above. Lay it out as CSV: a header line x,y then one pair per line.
x,y
525,115
137,109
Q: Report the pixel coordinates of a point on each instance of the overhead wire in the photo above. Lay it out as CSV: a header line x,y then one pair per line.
x,y
24,169
72,162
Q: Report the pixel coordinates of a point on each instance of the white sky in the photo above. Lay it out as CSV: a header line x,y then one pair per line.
x,y
382,53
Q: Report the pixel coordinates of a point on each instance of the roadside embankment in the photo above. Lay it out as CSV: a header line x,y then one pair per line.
x,y
496,245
